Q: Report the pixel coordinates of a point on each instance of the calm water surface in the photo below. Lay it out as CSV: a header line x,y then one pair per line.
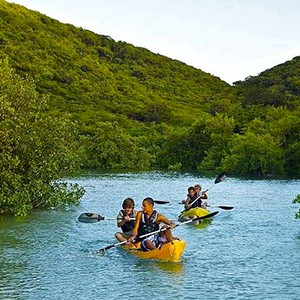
x,y
250,252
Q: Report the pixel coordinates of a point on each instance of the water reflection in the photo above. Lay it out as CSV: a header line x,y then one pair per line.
x,y
154,266
169,267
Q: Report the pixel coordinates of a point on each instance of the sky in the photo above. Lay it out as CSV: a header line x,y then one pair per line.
x,y
230,39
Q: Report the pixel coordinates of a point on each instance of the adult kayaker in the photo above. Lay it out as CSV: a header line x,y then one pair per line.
x,y
193,198
125,220
148,220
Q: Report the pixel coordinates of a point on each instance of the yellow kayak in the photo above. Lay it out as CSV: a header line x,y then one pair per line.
x,y
195,212
171,251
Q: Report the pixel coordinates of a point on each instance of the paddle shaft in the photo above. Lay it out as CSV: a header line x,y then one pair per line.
x,y
220,178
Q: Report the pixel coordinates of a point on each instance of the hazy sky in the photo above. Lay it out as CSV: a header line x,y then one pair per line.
x,y
231,39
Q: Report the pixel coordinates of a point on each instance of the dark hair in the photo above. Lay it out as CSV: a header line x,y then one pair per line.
x,y
191,188
149,200
128,202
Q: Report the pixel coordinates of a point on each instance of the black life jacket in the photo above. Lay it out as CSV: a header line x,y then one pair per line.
x,y
192,199
128,226
148,225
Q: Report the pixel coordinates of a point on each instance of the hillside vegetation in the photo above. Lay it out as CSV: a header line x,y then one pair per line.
x,y
134,109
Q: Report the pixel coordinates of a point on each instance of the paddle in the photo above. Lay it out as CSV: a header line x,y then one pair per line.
x,y
157,231
161,202
219,179
217,206
93,218
222,207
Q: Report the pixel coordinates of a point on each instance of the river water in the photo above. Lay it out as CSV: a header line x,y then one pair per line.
x,y
250,252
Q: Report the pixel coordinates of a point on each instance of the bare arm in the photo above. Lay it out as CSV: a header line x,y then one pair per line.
x,y
187,203
136,227
162,218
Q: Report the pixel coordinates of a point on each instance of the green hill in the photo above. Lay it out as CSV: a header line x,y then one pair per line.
x,y
278,86
96,78
135,109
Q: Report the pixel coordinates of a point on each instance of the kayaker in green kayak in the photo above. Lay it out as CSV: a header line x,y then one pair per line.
x,y
148,220
203,195
194,197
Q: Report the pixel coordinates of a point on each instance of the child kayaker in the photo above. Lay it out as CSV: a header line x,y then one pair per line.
x,y
203,195
126,220
148,220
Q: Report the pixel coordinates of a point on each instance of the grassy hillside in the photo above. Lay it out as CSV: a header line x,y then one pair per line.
x,y
98,79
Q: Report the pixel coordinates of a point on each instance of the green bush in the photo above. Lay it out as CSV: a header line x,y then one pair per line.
x,y
297,200
253,154
37,148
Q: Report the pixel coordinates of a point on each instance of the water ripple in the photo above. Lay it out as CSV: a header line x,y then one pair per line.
x,y
250,252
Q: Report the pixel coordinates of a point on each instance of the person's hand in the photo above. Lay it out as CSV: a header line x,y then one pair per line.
x,y
172,225
127,218
131,239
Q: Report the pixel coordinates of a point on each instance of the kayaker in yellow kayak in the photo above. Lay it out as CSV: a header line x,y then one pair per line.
x,y
125,220
148,220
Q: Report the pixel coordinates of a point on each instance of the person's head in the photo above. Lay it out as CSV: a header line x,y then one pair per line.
x,y
147,205
128,205
191,191
197,188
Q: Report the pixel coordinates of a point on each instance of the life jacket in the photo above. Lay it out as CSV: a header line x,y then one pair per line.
x,y
192,199
148,225
128,226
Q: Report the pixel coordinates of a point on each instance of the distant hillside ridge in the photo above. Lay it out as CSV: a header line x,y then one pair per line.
x,y
96,78
278,86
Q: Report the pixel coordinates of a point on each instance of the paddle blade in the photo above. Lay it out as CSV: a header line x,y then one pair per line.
x,y
225,207
206,217
161,202
90,218
221,177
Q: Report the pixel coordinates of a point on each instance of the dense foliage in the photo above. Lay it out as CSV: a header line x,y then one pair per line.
x,y
297,200
37,148
138,110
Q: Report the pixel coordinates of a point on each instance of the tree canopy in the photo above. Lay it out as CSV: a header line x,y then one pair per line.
x,y
37,148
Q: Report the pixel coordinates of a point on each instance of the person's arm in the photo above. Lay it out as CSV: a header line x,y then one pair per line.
x,y
121,220
162,218
136,227
187,203
203,195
